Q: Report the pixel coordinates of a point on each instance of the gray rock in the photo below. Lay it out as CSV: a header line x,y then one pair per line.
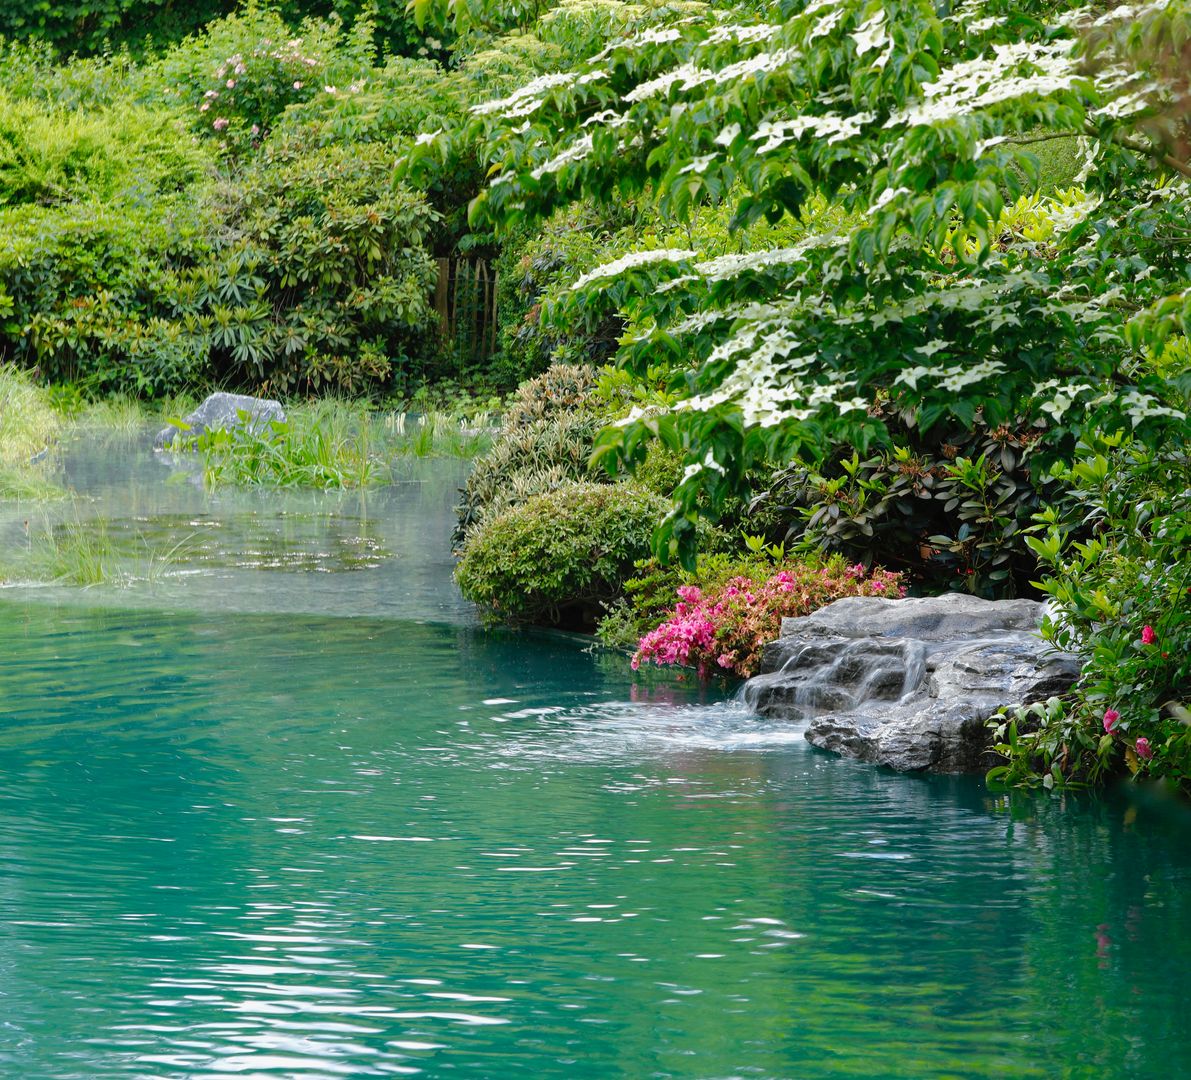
x,y
223,411
909,683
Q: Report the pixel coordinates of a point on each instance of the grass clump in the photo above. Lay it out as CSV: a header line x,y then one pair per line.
x,y
327,444
28,427
64,552
84,551
28,484
28,423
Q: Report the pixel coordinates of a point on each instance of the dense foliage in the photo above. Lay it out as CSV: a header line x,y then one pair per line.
x,y
228,210
918,123
90,26
1122,600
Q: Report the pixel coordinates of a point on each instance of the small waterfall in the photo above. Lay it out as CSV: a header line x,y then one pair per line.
x,y
908,683
915,653
840,676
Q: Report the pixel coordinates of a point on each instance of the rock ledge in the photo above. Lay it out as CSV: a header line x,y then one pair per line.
x,y
909,683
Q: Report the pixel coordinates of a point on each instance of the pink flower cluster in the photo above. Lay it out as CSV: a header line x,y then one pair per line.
x,y
243,82
727,627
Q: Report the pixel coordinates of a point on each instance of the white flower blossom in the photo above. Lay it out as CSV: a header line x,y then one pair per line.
x,y
525,95
631,262
578,150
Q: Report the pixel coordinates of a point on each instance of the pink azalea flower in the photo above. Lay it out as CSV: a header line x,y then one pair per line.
x,y
1111,716
1144,751
1148,637
220,123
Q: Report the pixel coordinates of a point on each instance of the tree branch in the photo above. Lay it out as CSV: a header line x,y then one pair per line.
x,y
1149,151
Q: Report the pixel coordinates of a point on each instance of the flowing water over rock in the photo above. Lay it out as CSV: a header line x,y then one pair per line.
x,y
241,836
908,683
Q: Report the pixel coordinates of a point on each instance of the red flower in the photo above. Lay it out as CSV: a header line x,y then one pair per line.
x,y
1148,637
1142,746
1111,716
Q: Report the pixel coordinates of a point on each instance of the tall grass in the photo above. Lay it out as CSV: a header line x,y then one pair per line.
x,y
325,444
121,414
28,427
28,423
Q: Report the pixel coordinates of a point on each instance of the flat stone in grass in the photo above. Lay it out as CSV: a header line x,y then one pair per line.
x,y
223,411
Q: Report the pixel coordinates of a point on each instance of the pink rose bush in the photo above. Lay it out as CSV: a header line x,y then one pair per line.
x,y
722,629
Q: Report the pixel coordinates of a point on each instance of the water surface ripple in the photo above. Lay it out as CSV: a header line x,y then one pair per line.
x,y
297,847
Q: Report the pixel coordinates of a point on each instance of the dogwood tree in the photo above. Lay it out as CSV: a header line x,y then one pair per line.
x,y
918,122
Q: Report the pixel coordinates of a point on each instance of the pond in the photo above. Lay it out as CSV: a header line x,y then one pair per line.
x,y
285,811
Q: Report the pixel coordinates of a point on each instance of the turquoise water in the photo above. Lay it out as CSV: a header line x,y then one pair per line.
x,y
298,845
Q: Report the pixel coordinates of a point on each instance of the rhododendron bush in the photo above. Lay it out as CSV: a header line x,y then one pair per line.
x,y
722,629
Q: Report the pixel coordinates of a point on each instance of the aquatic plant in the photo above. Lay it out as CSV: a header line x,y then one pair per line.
x,y
326,444
28,427
28,423
435,434
67,547
28,484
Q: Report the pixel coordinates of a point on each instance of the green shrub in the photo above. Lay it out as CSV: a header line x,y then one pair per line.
x,y
308,271
235,79
545,441
94,292
1121,599
88,26
558,557
126,154
321,280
